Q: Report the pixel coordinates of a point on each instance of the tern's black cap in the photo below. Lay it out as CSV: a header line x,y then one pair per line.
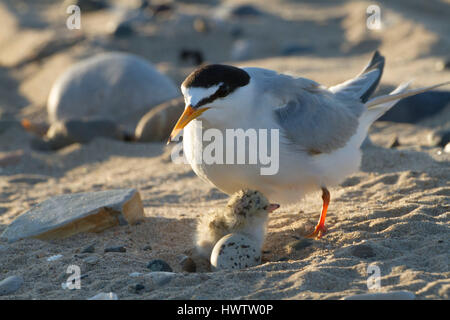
x,y
228,77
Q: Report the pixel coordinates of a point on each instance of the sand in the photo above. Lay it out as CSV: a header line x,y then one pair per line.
x,y
393,214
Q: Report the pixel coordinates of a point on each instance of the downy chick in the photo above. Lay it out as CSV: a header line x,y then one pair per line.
x,y
246,212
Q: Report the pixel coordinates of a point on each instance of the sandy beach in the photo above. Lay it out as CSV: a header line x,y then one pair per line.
x,y
393,214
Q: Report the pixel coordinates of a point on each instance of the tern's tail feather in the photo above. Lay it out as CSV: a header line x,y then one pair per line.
x,y
379,105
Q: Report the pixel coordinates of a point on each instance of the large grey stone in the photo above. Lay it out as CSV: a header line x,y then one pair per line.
x,y
10,285
157,124
118,86
65,215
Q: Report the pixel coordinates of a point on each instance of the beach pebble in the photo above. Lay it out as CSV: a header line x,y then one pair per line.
x,y
65,215
295,49
394,295
100,87
105,296
66,132
147,248
136,288
160,278
159,265
122,29
156,125
416,108
89,249
439,138
135,274
235,251
116,249
10,285
187,264
55,257
91,260
363,251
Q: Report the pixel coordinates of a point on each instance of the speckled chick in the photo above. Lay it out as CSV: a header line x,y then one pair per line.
x,y
246,213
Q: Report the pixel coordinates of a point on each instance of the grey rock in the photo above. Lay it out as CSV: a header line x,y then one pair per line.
x,y
104,296
91,260
157,124
120,87
89,249
160,278
122,30
66,132
295,49
116,249
363,251
147,248
65,215
417,108
136,288
159,265
439,138
10,285
394,295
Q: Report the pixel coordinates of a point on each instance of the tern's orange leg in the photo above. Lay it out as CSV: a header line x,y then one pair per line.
x,y
320,229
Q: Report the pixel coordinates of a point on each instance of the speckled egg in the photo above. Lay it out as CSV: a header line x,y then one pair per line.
x,y
235,251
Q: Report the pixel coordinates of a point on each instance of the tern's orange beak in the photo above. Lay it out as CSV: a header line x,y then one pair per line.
x,y
272,207
188,115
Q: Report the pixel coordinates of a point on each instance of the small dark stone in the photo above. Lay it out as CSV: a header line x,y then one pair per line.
x,y
283,259
245,10
89,249
439,138
295,49
159,265
136,288
362,251
394,143
188,265
123,30
417,108
160,9
147,248
194,56
116,249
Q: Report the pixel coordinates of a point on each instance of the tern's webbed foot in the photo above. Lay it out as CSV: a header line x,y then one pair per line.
x,y
318,232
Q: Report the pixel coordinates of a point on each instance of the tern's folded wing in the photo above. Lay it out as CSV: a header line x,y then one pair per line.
x,y
318,122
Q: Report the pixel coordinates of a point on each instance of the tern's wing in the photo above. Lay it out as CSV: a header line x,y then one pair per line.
x,y
364,84
316,121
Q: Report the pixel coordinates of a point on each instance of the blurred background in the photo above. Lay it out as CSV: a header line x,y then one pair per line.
x,y
328,41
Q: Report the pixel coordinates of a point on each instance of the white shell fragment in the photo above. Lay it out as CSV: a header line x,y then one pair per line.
x,y
235,251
